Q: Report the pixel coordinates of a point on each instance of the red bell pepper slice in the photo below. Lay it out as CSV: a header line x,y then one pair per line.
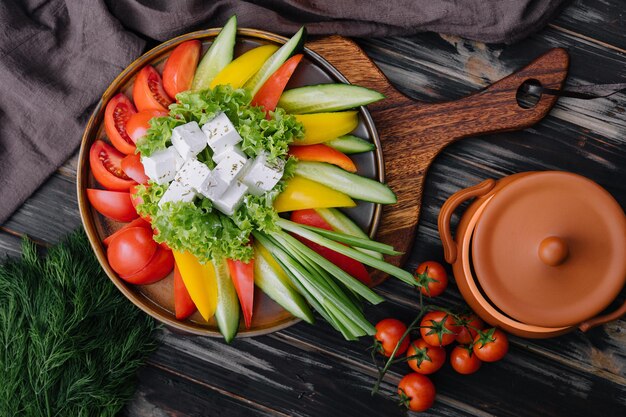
x,y
183,304
311,218
270,92
323,153
242,275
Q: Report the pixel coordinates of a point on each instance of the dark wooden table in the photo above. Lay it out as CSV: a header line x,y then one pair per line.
x,y
310,370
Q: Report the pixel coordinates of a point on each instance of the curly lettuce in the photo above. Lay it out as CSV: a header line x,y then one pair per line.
x,y
259,134
197,227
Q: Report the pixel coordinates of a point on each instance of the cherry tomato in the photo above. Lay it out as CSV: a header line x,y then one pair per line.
x,y
118,111
106,166
159,266
139,222
468,325
183,304
464,361
181,66
432,278
139,123
131,250
133,168
148,92
438,329
113,204
416,392
491,345
428,359
388,334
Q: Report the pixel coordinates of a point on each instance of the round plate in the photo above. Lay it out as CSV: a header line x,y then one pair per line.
x,y
158,299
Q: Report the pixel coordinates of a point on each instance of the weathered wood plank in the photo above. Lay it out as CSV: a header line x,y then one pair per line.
x,y
9,246
293,380
161,393
601,21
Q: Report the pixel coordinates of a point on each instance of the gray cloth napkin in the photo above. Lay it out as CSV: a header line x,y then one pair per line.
x,y
58,56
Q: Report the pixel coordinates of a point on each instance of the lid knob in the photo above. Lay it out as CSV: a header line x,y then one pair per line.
x,y
553,251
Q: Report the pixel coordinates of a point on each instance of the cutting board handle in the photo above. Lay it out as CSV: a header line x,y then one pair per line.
x,y
412,133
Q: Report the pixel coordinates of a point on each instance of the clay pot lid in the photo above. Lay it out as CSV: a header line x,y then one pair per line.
x,y
550,249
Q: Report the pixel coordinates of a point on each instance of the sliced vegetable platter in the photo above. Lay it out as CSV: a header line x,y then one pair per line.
x,y
263,315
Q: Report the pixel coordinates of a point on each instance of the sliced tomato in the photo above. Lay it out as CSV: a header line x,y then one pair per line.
x,y
131,250
181,66
133,168
183,304
115,205
139,222
269,94
157,268
106,167
139,123
148,92
118,111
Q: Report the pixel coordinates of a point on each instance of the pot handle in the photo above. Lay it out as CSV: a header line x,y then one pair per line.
x,y
445,215
600,320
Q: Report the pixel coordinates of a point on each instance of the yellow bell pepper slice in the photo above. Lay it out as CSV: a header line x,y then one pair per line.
x,y
244,67
301,193
321,127
200,281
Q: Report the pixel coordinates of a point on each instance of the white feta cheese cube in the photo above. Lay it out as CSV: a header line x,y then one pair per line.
x,y
160,167
188,140
193,173
230,166
261,176
217,157
213,187
177,192
232,198
220,133
179,160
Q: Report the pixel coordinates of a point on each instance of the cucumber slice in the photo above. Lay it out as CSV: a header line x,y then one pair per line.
x,y
294,44
327,98
350,144
273,281
227,311
342,223
217,57
353,185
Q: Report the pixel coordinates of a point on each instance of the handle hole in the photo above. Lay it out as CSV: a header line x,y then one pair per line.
x,y
528,94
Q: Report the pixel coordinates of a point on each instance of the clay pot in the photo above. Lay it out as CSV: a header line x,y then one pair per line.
x,y
538,254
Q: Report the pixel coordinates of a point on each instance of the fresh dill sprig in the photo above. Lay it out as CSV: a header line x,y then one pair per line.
x,y
70,343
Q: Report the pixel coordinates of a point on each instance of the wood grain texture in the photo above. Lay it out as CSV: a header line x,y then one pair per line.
x,y
414,133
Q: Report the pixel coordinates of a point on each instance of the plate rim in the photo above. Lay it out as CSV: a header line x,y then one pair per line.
x,y
142,302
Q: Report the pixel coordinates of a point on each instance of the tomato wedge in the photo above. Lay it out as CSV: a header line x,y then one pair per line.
x,y
115,205
181,66
183,304
138,123
148,92
270,92
131,250
157,268
133,168
117,112
323,153
106,167
138,222
310,217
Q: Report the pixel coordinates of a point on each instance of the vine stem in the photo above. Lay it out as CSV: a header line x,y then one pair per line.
x,y
390,359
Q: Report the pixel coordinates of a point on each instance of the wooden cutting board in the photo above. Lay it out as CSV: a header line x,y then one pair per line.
x,y
413,133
